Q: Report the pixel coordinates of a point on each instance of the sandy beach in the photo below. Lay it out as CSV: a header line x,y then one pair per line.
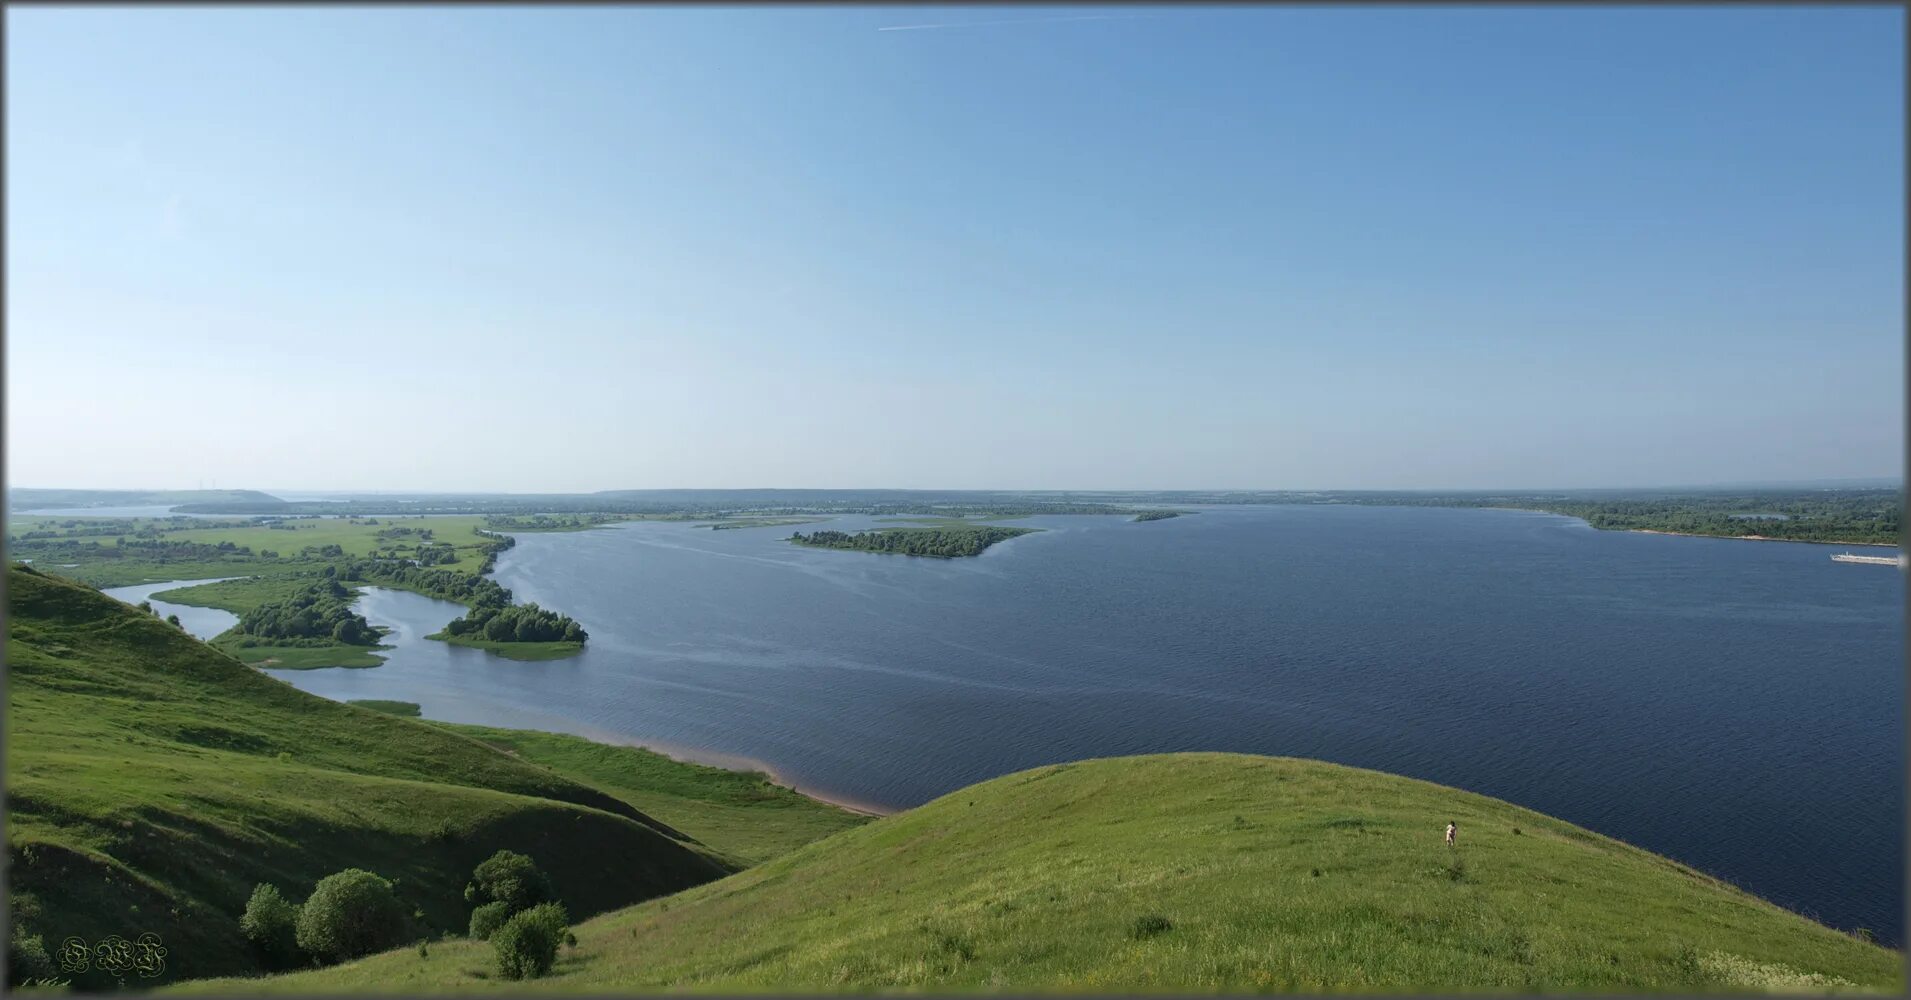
x,y
734,762
1760,538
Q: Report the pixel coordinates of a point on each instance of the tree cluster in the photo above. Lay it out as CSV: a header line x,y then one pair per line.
x,y
516,909
517,623
943,543
322,610
150,550
349,915
439,554
356,913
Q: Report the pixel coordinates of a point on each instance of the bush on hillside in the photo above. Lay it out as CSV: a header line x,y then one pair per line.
x,y
1149,925
486,919
271,923
350,914
27,959
527,943
512,879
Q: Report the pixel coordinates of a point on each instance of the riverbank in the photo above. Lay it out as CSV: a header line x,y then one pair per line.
x,y
739,764
1755,538
1693,534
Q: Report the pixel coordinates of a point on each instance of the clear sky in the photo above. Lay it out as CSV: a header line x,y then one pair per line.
x,y
551,249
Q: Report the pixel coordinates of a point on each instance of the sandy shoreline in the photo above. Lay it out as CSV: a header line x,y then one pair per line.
x,y
1694,534
736,762
1760,538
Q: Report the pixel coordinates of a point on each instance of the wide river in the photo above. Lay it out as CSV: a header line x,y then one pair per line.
x,y
1736,705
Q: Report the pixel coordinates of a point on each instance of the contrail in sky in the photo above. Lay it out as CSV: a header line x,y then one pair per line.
x,y
1025,20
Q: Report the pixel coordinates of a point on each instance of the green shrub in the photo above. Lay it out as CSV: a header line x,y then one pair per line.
x,y
1149,926
27,959
271,923
512,879
486,919
350,914
527,943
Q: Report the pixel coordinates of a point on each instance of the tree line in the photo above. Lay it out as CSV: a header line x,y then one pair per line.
x,y
517,623
149,550
941,543
493,617
355,913
321,611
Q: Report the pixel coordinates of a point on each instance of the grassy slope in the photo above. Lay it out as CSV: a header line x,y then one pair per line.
x,y
739,814
1275,874
151,782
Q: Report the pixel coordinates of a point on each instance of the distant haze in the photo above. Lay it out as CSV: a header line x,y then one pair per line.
x,y
566,250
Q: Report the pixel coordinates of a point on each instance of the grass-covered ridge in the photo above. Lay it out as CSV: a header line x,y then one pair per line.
x,y
1188,873
152,781
741,815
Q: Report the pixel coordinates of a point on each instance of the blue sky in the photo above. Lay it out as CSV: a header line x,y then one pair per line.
x,y
551,249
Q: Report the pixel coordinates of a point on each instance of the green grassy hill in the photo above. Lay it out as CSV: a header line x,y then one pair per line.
x,y
153,781
740,815
1186,873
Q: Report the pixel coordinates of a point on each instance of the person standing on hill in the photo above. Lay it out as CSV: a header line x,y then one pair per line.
x,y
1452,828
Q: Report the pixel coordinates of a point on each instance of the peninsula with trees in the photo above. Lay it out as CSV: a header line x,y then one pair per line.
x,y
938,543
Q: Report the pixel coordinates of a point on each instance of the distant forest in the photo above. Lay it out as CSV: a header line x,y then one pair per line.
x,y
1851,513
1868,517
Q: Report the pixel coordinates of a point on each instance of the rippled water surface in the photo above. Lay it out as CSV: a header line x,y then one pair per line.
x,y
1736,705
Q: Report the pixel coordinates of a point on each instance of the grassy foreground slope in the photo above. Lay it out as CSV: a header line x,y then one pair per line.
x,y
1192,873
152,782
741,815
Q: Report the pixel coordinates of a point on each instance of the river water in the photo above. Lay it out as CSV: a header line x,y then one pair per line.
x,y
202,622
1735,705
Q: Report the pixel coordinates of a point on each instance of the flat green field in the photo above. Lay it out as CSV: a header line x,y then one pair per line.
x,y
125,572
354,539
1188,873
242,595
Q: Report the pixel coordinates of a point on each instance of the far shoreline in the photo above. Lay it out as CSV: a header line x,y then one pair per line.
x,y
1695,534
1756,538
